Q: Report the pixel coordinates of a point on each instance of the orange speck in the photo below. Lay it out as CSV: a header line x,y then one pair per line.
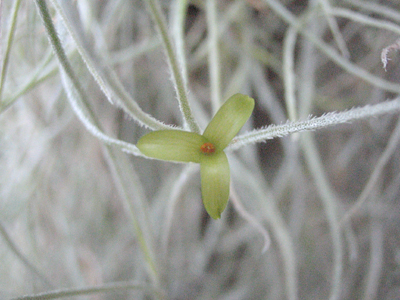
x,y
207,148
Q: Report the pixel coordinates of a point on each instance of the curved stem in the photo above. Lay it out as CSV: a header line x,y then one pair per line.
x,y
10,38
177,77
108,80
330,52
75,92
78,100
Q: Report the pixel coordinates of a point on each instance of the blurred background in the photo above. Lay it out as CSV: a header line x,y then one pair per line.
x,y
74,213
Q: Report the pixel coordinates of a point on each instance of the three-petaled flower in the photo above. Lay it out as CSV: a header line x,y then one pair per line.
x,y
206,149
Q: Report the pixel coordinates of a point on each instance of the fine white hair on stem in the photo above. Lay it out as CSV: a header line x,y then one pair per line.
x,y
314,123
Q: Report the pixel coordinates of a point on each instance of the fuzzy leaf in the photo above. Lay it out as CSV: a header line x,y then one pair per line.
x,y
215,180
228,120
172,145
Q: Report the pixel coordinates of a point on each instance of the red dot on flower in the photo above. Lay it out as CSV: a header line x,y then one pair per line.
x,y
207,148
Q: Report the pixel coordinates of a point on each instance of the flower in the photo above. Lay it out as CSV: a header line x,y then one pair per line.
x,y
206,149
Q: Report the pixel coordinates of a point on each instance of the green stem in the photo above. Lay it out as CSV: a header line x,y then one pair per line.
x,y
213,54
177,77
10,38
289,73
180,11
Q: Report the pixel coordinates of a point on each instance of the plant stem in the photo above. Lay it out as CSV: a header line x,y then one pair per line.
x,y
10,38
177,78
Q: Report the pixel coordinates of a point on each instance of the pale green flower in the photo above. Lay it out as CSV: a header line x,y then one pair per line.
x,y
206,149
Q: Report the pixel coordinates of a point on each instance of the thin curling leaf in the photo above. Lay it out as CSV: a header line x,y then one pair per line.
x,y
172,145
228,120
215,180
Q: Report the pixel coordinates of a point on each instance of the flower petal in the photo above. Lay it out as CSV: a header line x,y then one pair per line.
x,y
215,180
172,145
228,120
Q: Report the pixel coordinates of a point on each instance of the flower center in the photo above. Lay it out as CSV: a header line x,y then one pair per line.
x,y
207,148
